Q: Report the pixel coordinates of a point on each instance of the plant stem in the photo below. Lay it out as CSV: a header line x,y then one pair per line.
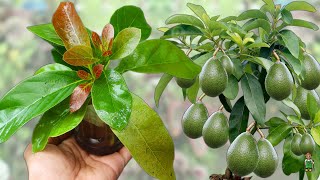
x,y
260,132
276,55
250,126
221,108
201,97
215,52
189,51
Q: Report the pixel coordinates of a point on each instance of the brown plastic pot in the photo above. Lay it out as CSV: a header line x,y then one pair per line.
x,y
95,136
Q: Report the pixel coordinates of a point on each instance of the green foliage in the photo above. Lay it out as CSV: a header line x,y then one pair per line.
x,y
256,41
144,136
125,43
130,16
238,120
46,32
25,102
253,97
291,163
112,100
55,122
159,56
82,70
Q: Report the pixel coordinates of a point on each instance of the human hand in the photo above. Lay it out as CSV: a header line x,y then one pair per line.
x,y
67,161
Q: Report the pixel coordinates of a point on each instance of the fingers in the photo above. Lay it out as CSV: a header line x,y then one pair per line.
x,y
124,152
28,152
58,140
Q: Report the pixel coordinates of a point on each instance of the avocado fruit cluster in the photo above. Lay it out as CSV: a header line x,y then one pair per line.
x,y
213,129
245,155
302,144
279,82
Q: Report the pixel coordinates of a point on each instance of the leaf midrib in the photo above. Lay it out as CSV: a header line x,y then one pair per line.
x,y
42,97
148,146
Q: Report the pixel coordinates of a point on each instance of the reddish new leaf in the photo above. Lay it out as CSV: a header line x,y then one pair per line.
x,y
69,26
96,40
97,70
83,75
79,97
107,53
107,37
79,56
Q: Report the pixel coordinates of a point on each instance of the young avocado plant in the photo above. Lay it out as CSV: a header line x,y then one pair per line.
x,y
258,51
81,91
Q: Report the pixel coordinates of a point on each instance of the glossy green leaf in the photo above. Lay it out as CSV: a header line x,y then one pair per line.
x,y
130,16
286,16
228,19
303,23
295,119
226,103
315,132
294,62
258,45
275,122
258,23
313,106
182,30
184,19
279,133
216,25
317,118
79,56
111,99
291,41
192,92
215,18
200,12
208,47
32,97
69,26
52,67
238,70
55,122
235,37
159,56
125,43
252,14
294,107
291,163
161,86
253,96
232,89
46,32
203,59
300,6
238,120
148,141
269,3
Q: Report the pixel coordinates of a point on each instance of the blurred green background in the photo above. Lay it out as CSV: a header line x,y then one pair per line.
x,y
21,53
